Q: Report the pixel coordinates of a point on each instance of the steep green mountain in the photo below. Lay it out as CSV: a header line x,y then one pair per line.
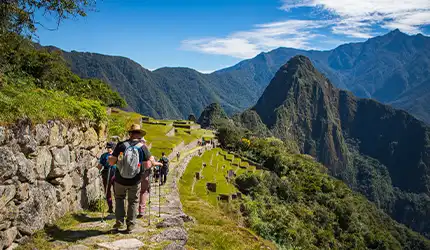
x,y
391,68
165,92
382,152
211,115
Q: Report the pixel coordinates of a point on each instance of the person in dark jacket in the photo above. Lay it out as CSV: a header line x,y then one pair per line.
x,y
107,173
164,168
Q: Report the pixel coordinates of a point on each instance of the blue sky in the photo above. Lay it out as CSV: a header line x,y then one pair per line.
x,y
212,34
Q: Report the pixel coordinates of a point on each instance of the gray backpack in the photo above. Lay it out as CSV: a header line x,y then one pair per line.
x,y
129,165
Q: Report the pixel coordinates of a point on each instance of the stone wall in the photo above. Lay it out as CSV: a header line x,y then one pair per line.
x,y
46,170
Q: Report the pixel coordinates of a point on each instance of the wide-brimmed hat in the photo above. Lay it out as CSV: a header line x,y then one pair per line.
x,y
110,145
136,128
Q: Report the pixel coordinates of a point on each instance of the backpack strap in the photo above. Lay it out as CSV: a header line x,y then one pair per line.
x,y
126,144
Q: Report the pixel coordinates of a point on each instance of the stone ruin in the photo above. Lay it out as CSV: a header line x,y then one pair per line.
x,y
46,171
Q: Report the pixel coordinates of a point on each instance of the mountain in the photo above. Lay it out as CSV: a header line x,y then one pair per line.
x,y
166,92
377,150
393,68
210,115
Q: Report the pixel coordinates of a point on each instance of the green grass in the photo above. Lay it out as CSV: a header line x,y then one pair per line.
x,y
119,121
41,105
214,228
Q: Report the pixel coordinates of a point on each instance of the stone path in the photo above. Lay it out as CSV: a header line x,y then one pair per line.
x,y
166,230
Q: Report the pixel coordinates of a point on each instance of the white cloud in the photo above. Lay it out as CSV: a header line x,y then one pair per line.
x,y
355,18
246,44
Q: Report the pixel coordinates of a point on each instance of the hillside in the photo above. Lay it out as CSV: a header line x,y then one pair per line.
x,y
166,92
389,68
377,150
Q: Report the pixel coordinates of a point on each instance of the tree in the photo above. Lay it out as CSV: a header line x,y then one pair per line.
x,y
192,118
19,16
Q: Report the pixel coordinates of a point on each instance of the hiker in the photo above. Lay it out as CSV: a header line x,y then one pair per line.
x,y
164,168
107,173
146,186
178,155
132,158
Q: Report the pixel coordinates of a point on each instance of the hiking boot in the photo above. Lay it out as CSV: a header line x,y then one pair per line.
x,y
110,211
130,228
118,226
140,215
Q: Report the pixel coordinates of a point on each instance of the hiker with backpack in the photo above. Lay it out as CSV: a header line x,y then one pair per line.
x,y
132,158
164,168
108,174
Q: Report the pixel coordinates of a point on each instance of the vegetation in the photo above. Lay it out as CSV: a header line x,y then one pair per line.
x,y
218,225
370,146
299,206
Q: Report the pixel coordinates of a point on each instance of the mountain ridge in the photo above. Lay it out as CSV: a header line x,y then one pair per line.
x,y
380,151
387,67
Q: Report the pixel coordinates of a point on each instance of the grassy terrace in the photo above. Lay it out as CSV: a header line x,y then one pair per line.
x,y
217,228
156,130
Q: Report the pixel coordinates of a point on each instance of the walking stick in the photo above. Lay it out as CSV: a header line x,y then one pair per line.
x,y
159,193
149,203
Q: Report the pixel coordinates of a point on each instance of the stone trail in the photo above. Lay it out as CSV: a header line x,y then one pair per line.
x,y
165,232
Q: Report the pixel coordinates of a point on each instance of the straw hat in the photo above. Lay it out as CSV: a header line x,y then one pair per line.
x,y
137,128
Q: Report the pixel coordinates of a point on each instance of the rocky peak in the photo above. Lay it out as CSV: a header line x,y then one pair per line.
x,y
211,114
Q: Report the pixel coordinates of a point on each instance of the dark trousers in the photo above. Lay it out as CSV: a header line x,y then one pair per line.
x,y
164,172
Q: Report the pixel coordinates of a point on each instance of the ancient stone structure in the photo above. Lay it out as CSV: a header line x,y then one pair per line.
x,y
46,170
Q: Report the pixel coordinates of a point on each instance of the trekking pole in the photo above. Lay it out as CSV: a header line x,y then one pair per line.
x,y
149,191
159,194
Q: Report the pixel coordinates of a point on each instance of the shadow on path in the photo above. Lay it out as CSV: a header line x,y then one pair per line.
x,y
57,233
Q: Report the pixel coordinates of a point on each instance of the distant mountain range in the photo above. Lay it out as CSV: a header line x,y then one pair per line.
x,y
379,151
393,68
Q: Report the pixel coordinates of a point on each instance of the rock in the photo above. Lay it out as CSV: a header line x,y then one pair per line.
x,y
78,247
61,208
74,136
93,191
211,187
42,134
90,139
129,244
4,225
92,174
27,143
23,240
171,222
61,162
9,212
174,246
25,171
8,166
2,135
77,180
55,136
186,218
66,183
7,237
23,191
6,194
34,213
171,234
59,244
43,163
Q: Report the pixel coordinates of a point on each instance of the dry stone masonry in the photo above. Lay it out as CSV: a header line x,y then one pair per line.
x,y
46,170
